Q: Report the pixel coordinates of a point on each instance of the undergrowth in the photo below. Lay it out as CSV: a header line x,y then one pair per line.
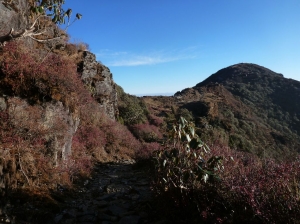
x,y
193,183
43,95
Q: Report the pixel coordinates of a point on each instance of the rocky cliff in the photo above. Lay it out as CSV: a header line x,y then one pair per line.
x,y
98,79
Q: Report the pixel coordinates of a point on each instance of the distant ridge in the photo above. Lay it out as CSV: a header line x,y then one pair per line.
x,y
154,94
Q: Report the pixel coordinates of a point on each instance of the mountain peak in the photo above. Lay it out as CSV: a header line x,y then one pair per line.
x,y
242,72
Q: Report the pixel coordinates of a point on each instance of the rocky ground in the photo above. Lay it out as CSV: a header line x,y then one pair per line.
x,y
116,193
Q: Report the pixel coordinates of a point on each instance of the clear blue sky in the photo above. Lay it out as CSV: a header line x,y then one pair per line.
x,y
162,46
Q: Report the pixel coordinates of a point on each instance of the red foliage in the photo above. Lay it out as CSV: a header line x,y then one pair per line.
x,y
251,190
259,190
7,135
80,164
154,120
26,72
90,137
146,132
119,135
41,77
147,150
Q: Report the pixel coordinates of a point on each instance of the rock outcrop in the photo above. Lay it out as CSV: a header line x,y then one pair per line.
x,y
11,16
98,79
50,122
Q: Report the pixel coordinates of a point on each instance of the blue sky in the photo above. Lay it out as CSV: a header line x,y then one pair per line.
x,y
163,46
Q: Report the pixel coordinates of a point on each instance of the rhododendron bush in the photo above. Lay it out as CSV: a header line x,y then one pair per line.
x,y
221,185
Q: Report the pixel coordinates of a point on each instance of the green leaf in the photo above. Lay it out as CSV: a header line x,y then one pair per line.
x,y
179,134
205,178
195,155
182,120
179,127
199,166
188,137
78,16
209,172
192,131
68,13
206,146
164,164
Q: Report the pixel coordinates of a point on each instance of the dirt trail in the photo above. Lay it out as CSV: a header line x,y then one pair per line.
x,y
116,193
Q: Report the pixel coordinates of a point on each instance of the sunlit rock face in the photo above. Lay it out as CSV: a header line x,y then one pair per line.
x,y
12,15
99,81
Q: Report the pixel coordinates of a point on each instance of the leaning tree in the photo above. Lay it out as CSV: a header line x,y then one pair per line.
x,y
44,17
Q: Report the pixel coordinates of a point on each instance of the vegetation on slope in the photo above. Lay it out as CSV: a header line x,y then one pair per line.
x,y
195,183
32,81
244,107
247,107
258,182
241,188
146,127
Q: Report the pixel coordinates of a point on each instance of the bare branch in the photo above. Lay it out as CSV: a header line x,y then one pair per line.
x,y
30,32
36,34
35,21
21,168
45,40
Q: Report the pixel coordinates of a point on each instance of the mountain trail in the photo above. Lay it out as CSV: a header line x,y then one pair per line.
x,y
115,193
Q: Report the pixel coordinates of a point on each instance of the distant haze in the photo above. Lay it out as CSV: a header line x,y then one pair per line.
x,y
155,94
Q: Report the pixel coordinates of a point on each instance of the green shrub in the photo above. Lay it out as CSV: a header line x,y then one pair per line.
x,y
184,164
132,110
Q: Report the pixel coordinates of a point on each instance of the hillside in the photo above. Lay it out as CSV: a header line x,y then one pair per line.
x,y
245,106
56,128
58,107
75,148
